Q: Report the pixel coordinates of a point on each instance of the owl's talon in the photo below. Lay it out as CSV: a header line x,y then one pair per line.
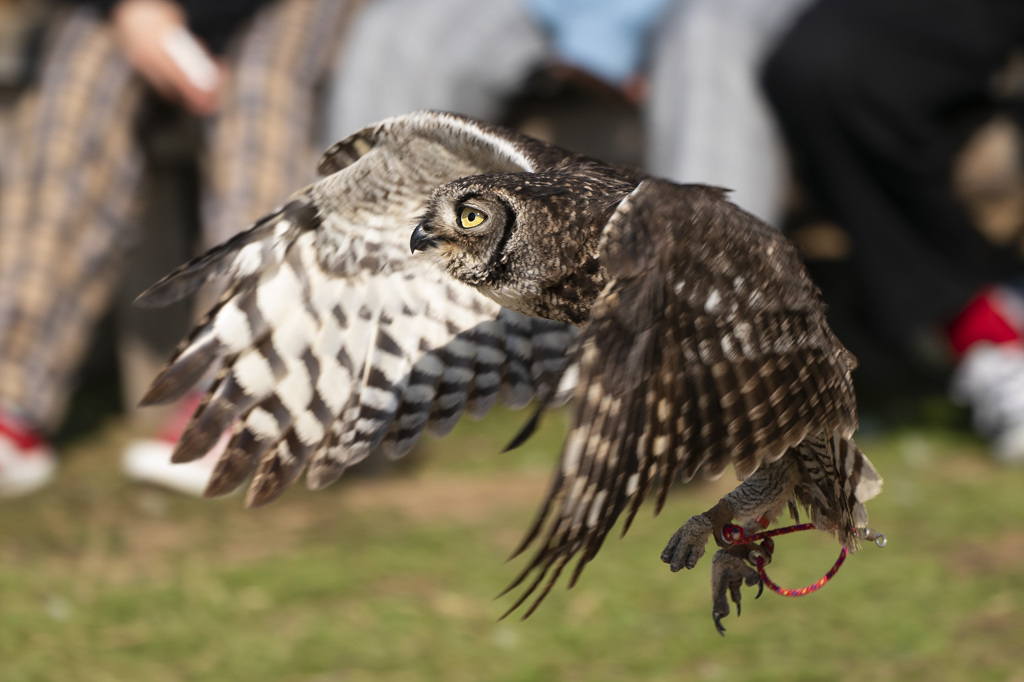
x,y
758,553
718,623
729,572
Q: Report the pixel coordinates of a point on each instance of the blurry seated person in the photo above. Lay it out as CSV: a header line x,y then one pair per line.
x,y
248,69
876,99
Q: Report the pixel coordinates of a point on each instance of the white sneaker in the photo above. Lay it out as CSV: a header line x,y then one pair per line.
x,y
990,380
27,462
149,460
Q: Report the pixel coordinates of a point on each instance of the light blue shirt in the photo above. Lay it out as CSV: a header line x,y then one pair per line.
x,y
607,38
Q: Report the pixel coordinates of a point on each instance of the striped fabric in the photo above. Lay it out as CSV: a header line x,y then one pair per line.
x,y
70,179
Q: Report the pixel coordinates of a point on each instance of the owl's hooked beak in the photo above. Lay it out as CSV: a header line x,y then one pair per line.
x,y
421,240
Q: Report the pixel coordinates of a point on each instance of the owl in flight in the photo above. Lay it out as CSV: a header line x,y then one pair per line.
x,y
686,331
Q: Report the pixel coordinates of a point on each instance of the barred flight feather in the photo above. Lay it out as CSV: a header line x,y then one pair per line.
x,y
333,341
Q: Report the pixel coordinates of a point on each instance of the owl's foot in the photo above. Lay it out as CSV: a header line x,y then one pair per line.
x,y
687,544
729,571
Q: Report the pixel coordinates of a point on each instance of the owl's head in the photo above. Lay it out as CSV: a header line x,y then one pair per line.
x,y
529,241
467,228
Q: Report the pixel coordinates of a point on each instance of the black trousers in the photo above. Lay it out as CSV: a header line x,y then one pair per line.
x,y
875,98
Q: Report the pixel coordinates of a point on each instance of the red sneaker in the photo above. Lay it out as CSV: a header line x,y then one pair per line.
x,y
27,461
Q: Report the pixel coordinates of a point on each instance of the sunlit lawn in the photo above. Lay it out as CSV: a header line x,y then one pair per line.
x,y
394,578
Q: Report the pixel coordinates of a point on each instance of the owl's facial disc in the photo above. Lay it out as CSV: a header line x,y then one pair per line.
x,y
455,220
461,230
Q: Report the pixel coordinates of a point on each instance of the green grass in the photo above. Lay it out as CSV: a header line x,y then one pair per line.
x,y
394,578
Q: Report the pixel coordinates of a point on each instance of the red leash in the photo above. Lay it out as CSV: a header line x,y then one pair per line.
x,y
734,535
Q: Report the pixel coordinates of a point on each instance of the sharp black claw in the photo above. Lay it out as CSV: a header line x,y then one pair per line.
x,y
718,624
760,589
739,609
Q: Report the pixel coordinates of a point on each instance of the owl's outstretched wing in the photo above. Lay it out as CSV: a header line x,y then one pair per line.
x,y
330,340
709,346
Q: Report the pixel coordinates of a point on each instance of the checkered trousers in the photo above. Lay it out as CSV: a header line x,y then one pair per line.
x,y
71,176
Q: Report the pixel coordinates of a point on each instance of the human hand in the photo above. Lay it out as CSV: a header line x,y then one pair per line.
x,y
154,37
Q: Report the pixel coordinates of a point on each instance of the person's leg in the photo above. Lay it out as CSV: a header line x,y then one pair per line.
x,y
261,142
69,180
455,55
871,96
259,151
707,119
65,204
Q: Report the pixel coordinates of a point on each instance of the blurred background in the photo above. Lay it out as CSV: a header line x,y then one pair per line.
x,y
883,138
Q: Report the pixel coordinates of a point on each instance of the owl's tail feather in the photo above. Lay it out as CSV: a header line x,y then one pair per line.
x,y
861,482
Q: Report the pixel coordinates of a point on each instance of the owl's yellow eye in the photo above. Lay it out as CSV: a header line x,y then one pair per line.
x,y
471,217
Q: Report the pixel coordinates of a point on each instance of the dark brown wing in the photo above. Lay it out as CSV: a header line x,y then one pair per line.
x,y
709,346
